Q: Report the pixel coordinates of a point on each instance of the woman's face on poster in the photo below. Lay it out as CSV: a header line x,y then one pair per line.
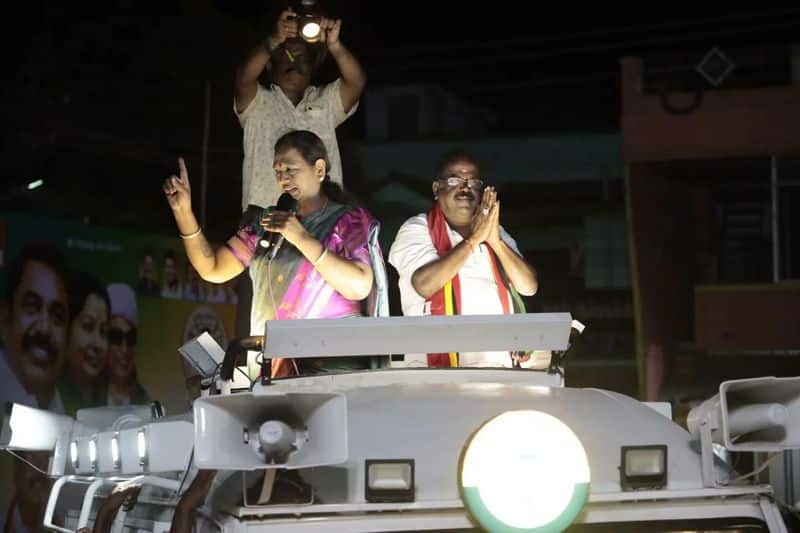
x,y
121,349
88,337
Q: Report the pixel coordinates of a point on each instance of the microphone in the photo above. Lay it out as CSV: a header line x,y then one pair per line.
x,y
275,239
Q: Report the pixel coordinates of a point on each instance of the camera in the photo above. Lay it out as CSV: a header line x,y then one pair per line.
x,y
308,20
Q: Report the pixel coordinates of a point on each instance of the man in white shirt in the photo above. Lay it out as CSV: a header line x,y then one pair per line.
x,y
290,102
457,259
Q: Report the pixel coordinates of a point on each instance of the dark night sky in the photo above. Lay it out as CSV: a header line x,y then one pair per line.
x,y
98,99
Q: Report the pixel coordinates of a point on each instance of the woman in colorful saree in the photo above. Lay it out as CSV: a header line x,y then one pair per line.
x,y
327,266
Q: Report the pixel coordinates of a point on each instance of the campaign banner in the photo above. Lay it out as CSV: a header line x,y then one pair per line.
x,y
93,316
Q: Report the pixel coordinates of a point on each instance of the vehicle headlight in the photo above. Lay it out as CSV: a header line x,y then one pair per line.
x,y
526,471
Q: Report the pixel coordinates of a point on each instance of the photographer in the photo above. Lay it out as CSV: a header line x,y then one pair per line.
x,y
291,102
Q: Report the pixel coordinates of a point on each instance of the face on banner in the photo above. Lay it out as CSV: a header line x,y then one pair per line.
x,y
88,339
148,267
170,274
85,323
35,329
121,349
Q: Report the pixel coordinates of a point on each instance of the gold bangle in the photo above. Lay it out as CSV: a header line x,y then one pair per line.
x,y
320,258
191,235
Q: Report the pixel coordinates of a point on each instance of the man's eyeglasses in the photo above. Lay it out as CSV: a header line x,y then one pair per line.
x,y
455,181
116,336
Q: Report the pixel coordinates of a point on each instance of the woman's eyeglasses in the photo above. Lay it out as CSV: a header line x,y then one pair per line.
x,y
455,181
116,336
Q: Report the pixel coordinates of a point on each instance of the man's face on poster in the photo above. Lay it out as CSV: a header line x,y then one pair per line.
x,y
36,328
170,274
148,268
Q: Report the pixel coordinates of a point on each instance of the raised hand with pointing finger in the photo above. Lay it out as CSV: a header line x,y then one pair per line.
x,y
178,190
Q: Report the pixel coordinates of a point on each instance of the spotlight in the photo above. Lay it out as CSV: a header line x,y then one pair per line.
x,y
30,429
643,467
158,447
389,480
524,471
204,354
